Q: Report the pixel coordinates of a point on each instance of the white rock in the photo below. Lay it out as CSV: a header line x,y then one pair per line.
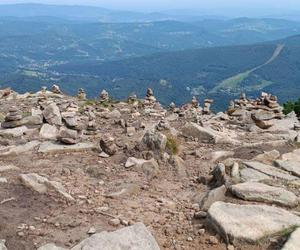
x,y
2,245
51,246
48,132
293,242
13,132
136,237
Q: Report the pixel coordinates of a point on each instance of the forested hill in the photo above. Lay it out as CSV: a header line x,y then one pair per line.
x,y
210,72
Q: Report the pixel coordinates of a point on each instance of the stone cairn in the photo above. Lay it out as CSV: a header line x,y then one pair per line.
x,y
194,102
262,109
150,98
207,105
13,119
81,94
104,96
55,89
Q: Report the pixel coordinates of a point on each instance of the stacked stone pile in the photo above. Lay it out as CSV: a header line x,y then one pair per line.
x,y
56,89
104,96
13,119
262,110
150,98
81,94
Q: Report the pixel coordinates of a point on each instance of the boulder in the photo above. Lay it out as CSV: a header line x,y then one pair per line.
x,y
136,237
249,223
107,144
254,191
13,132
203,134
154,140
217,194
52,114
68,136
48,132
292,156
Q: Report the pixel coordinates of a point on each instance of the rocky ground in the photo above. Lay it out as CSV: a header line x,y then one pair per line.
x,y
84,174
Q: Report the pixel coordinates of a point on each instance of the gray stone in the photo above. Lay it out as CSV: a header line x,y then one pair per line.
x,y
271,171
267,157
292,156
154,140
33,120
41,185
48,132
35,182
254,191
217,194
51,246
52,114
149,167
202,134
51,147
136,237
13,132
249,223
290,166
107,144
14,150
249,174
293,242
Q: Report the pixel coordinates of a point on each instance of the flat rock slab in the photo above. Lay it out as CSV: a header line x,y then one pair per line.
x,y
270,170
292,156
249,174
51,147
254,191
293,242
2,245
51,246
136,237
290,166
249,223
13,132
8,168
14,150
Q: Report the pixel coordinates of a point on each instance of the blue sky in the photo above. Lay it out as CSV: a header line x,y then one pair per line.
x,y
175,4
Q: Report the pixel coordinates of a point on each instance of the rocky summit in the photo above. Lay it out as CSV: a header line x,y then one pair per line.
x,y
111,175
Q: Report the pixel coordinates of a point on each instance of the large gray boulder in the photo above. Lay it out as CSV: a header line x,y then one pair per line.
x,y
136,237
48,132
255,191
154,140
202,134
52,114
249,223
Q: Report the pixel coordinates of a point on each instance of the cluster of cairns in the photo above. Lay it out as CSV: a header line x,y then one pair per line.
x,y
262,110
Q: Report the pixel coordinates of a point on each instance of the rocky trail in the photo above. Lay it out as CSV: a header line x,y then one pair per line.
x,y
101,174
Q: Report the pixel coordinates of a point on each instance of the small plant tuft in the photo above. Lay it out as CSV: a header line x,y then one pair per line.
x,y
172,145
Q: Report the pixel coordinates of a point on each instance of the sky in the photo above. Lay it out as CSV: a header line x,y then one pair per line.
x,y
174,4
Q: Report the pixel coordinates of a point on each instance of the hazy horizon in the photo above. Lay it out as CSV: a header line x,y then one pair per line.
x,y
217,6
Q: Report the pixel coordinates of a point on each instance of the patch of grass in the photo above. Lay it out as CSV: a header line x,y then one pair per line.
x,y
90,102
26,114
172,145
2,117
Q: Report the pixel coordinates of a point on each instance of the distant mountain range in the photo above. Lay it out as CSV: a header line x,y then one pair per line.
x,y
71,46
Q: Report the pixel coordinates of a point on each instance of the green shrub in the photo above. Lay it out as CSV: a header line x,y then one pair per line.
x,y
172,145
292,106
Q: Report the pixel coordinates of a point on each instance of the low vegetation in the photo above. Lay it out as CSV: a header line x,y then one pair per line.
x,y
292,106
